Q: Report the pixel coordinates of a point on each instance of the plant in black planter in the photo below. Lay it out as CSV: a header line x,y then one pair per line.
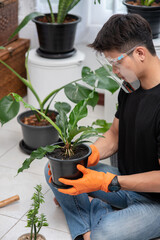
x,y
37,136
34,221
148,9
36,130
65,156
56,31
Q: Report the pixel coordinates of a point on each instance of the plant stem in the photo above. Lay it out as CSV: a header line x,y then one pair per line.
x,y
51,11
35,233
27,83
57,90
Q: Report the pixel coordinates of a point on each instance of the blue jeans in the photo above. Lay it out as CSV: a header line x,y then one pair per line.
x,y
137,217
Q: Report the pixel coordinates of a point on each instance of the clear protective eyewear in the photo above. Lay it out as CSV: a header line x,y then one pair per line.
x,y
115,61
129,81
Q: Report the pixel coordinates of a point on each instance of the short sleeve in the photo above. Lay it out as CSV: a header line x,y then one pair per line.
x,y
120,97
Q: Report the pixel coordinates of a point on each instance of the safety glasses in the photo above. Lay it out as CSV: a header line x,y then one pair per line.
x,y
129,82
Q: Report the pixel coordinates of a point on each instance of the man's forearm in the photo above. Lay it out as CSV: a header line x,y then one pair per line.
x,y
108,145
141,182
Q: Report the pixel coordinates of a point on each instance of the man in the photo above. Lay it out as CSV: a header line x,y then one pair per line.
x,y
126,201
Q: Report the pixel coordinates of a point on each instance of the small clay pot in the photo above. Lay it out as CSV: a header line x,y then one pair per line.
x,y
27,237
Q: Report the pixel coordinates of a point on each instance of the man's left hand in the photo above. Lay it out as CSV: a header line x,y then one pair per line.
x,y
90,182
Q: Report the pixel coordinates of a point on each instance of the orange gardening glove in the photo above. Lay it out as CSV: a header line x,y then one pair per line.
x,y
90,182
49,173
94,157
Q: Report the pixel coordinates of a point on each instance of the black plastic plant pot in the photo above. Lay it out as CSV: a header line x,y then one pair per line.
x,y
37,136
67,168
56,40
150,13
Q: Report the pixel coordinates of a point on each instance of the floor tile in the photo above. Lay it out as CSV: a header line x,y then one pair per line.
x,y
6,224
15,158
22,185
8,139
50,234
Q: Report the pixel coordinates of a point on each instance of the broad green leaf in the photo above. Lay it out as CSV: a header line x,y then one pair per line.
x,y
1,47
24,22
37,154
62,122
103,125
62,106
75,131
99,79
9,108
87,134
79,111
88,76
77,92
104,80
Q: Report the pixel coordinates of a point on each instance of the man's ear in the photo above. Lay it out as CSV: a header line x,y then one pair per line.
x,y
140,53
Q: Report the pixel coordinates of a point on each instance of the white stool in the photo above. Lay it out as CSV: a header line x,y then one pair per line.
x,y
49,74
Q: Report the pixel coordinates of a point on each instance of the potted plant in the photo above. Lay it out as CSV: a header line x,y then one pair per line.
x,y
37,135
56,31
148,9
34,221
36,130
65,156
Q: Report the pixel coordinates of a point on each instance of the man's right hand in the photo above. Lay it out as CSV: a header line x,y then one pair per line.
x,y
92,160
94,157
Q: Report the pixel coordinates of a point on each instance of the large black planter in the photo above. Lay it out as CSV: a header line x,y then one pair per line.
x,y
56,40
67,168
36,136
151,14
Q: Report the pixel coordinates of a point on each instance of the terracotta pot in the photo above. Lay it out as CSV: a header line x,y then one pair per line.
x,y
27,237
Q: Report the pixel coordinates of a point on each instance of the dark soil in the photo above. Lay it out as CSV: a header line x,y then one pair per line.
x,y
33,121
47,19
138,3
79,151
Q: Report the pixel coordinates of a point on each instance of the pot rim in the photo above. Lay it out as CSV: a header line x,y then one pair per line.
x,y
30,126
77,20
147,8
69,160
26,234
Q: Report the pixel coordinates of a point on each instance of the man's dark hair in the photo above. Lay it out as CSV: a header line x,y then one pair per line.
x,y
122,32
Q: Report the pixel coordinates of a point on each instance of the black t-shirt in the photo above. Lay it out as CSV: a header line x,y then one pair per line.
x,y
139,132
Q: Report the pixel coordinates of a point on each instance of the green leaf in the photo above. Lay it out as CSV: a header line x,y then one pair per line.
x,y
104,126
101,78
88,76
62,106
77,92
62,122
26,105
63,9
79,111
1,47
36,154
75,131
9,108
24,22
87,134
